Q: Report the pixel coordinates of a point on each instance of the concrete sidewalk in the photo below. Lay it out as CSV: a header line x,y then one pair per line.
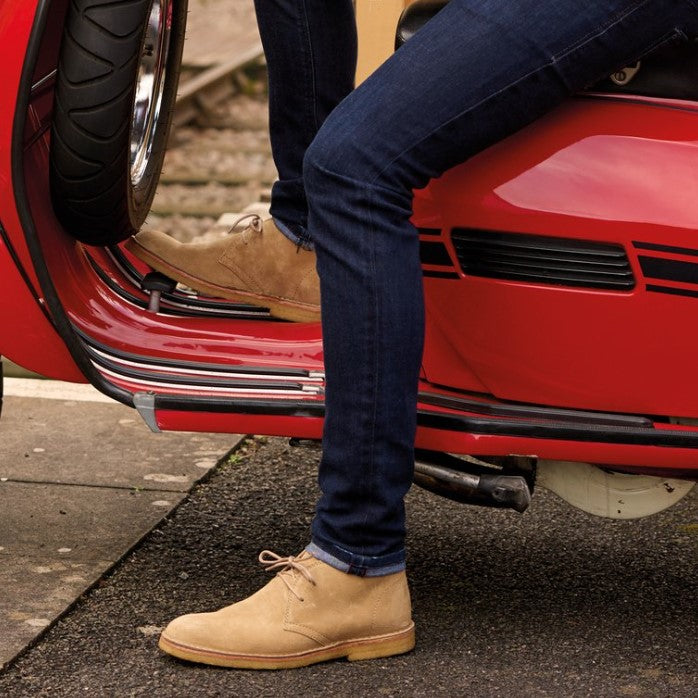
x,y
82,480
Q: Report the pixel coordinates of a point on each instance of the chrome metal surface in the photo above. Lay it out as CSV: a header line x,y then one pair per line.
x,y
145,406
150,85
48,79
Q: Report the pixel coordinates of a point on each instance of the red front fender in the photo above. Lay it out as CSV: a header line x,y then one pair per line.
x,y
27,335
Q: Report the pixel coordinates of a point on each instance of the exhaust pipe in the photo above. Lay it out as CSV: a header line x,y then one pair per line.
x,y
482,489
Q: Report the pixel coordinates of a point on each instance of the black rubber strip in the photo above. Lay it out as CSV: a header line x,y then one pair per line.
x,y
669,269
434,253
665,248
550,414
672,290
427,273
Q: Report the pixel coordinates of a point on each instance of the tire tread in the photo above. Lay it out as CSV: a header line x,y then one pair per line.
x,y
89,160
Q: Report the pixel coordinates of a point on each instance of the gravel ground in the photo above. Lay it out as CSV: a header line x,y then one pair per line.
x,y
551,603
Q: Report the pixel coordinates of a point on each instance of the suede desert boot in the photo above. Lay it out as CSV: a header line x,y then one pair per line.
x,y
310,612
258,265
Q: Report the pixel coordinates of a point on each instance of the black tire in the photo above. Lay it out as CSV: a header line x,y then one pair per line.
x,y
105,44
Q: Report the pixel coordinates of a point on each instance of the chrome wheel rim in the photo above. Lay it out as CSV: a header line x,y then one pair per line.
x,y
150,86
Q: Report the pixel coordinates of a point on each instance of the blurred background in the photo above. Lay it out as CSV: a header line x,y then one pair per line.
x,y
219,158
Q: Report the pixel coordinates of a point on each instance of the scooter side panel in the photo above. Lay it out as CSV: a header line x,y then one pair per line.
x,y
607,171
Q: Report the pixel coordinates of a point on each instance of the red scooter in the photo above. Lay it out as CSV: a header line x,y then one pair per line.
x,y
560,272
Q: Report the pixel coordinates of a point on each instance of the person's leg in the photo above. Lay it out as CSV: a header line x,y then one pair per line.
x,y
310,47
477,72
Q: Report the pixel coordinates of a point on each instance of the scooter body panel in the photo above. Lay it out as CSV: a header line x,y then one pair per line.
x,y
615,172
27,335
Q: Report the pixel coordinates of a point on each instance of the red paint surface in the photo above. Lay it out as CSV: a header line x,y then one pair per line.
x,y
612,171
26,334
607,171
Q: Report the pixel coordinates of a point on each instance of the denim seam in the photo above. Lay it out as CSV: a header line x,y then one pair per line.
x,y
601,29
313,80
374,398
305,56
371,190
309,70
374,341
373,405
559,56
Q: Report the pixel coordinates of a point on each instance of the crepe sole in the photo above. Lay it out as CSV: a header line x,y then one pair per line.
x,y
353,650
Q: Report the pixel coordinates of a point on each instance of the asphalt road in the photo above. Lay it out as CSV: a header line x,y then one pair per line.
x,y
551,603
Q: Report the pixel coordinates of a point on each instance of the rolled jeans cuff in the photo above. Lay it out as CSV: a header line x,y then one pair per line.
x,y
295,239
360,565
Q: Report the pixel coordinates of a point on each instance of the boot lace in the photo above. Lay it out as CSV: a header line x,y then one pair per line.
x,y
271,561
255,222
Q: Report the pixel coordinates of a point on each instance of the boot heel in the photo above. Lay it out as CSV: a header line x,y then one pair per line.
x,y
386,647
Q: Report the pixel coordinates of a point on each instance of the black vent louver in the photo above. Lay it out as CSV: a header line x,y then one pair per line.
x,y
542,259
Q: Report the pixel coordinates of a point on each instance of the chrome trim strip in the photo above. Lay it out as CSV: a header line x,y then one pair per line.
x,y
145,406
312,377
44,81
306,390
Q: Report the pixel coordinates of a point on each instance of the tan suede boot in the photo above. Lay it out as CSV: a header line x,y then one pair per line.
x,y
310,612
258,265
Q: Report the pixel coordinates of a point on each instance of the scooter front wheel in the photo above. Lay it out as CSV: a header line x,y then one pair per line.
x,y
115,91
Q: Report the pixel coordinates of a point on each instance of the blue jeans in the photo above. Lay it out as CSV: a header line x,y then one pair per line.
x,y
479,71
310,47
